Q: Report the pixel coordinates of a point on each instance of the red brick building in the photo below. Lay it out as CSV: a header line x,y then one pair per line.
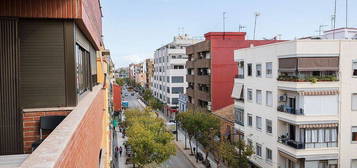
x,y
211,68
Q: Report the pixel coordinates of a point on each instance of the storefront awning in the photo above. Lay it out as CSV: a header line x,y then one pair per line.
x,y
237,91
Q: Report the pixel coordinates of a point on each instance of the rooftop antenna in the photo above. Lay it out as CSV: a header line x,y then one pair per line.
x,y
320,28
241,27
255,23
334,20
346,14
224,24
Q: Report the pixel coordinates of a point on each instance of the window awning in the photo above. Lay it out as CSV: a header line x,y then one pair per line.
x,y
319,92
237,91
309,64
318,125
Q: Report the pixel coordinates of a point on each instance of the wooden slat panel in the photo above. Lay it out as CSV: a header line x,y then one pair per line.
x,y
10,113
42,63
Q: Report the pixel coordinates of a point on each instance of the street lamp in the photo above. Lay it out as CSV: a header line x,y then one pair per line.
x,y
255,23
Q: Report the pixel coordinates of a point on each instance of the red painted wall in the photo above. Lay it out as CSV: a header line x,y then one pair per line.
x,y
223,67
117,97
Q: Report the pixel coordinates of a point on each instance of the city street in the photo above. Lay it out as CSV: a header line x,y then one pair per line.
x,y
177,161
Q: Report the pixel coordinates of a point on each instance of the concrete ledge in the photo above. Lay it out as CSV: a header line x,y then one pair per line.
x,y
53,149
48,109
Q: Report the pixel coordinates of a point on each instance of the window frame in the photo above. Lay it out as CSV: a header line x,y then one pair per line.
x,y
257,99
353,141
259,75
258,126
258,146
250,95
266,126
267,98
269,75
268,152
354,67
249,69
250,122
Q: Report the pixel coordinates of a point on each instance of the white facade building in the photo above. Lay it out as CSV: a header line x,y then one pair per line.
x,y
169,70
296,103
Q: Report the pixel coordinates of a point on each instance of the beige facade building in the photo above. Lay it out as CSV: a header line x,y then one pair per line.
x,y
296,103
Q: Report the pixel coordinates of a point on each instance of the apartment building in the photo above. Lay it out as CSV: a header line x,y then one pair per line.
x,y
51,57
211,69
169,78
149,72
296,101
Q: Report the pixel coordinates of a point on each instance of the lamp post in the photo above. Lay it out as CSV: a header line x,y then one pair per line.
x,y
255,23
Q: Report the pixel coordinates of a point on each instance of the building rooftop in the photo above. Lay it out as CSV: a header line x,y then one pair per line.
x,y
225,113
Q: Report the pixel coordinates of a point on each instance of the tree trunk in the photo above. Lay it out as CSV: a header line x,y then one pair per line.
x,y
189,141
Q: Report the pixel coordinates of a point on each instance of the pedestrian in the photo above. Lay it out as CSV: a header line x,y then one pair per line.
x,y
120,151
116,150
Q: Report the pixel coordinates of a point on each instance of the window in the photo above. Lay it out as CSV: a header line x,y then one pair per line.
x,y
174,100
354,163
168,89
354,101
250,70
258,69
177,90
250,120
354,134
258,150
269,69
269,154
239,113
269,126
259,97
269,98
249,94
250,142
168,79
354,68
168,100
258,122
83,70
177,79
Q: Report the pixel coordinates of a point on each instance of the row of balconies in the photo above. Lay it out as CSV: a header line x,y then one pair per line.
x,y
200,63
203,79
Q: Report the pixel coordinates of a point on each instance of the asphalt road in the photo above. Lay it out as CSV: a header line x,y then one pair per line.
x,y
177,161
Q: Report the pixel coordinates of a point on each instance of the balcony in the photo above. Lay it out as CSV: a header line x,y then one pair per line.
x,y
203,79
190,92
296,150
239,76
71,141
202,95
190,64
190,78
308,106
203,63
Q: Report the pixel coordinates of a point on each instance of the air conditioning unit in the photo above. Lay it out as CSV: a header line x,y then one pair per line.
x,y
209,71
209,103
209,107
283,98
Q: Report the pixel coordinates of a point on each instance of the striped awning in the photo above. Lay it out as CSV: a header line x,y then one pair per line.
x,y
318,125
318,92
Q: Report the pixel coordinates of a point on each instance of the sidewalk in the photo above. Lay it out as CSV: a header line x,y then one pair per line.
x,y
119,141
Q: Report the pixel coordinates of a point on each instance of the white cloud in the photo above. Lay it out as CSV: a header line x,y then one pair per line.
x,y
125,60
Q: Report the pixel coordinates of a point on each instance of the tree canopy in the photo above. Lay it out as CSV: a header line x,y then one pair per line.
x,y
148,137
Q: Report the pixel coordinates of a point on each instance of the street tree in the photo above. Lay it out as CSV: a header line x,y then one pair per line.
x,y
150,142
234,154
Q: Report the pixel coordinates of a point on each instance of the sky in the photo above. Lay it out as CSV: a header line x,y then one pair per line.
x,y
134,29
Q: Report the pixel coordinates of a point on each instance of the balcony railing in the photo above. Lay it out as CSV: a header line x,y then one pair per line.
x,y
313,79
292,143
290,110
